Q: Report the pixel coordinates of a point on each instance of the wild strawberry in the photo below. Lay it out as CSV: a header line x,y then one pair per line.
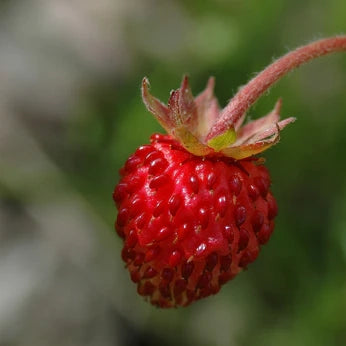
x,y
195,205
192,218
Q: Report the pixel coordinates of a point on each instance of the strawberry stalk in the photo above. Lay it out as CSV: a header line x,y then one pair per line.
x,y
235,111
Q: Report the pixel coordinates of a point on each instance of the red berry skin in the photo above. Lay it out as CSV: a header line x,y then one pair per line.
x,y
190,223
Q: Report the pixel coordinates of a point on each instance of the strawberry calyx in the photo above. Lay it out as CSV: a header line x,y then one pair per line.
x,y
203,129
189,120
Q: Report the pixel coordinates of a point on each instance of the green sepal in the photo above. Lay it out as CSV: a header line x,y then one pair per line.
x,y
190,142
224,140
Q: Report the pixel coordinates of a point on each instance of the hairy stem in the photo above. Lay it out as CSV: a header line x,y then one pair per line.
x,y
245,97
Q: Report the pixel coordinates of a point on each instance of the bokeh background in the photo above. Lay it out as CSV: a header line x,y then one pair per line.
x,y
70,114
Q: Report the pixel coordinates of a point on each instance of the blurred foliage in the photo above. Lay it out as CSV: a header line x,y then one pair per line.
x,y
295,293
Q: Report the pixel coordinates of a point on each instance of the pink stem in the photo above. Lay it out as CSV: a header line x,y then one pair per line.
x,y
245,97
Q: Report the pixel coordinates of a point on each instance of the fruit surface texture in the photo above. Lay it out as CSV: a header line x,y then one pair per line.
x,y
190,223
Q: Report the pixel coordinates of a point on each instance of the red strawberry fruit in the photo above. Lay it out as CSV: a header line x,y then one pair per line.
x,y
194,206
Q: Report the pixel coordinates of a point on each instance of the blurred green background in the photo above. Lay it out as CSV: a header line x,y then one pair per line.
x,y
71,113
